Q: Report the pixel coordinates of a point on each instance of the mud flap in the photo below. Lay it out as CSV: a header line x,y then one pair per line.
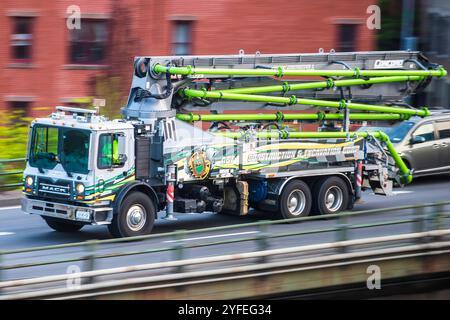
x,y
236,199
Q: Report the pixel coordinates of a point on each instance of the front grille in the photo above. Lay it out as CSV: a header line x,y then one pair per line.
x,y
48,208
54,189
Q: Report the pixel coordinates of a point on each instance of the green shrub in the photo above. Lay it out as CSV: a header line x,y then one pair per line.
x,y
13,144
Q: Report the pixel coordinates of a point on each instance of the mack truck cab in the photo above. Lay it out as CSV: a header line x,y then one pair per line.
x,y
76,162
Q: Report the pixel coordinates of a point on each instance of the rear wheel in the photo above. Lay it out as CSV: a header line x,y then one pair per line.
x,y
61,225
136,216
295,200
331,195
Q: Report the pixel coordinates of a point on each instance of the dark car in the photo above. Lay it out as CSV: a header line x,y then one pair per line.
x,y
423,143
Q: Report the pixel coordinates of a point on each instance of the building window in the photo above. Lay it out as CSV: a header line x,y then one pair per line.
x,y
18,113
442,37
347,37
89,43
182,38
20,108
21,39
433,30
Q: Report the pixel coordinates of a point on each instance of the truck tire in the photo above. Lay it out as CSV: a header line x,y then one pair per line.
x,y
295,200
61,225
331,195
136,217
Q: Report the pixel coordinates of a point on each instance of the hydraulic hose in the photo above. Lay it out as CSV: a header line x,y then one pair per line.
x,y
280,116
311,102
280,72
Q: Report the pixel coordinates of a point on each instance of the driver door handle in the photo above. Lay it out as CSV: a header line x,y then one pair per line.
x,y
435,146
444,144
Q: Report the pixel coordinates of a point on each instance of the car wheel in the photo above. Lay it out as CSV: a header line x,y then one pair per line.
x,y
136,217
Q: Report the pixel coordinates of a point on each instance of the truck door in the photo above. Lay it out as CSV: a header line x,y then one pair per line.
x,y
443,130
423,148
114,161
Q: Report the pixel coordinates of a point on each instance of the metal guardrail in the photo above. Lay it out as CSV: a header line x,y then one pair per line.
x,y
267,268
425,220
10,173
242,256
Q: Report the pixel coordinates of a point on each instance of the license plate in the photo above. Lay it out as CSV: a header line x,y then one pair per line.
x,y
83,215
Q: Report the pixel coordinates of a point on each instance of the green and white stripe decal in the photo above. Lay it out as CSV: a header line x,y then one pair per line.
x,y
108,187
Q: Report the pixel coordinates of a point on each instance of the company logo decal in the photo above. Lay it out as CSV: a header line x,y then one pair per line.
x,y
54,189
199,165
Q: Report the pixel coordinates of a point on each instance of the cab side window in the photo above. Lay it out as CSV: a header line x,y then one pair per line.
x,y
443,129
425,131
108,151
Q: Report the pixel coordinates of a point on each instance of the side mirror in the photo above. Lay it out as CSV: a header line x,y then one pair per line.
x,y
122,159
121,150
121,141
417,139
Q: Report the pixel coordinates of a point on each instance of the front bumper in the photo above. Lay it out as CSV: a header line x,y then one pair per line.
x,y
87,215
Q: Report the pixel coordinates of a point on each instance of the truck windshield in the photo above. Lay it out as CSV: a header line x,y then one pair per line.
x,y
66,146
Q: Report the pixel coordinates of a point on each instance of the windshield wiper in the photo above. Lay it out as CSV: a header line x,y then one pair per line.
x,y
69,174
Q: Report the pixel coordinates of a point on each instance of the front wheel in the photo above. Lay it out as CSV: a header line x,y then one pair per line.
x,y
136,217
295,200
61,225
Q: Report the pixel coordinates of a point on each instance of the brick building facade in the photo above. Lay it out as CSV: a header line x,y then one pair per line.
x,y
434,41
45,63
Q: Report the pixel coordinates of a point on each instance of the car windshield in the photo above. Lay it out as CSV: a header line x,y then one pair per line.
x,y
374,129
66,146
396,133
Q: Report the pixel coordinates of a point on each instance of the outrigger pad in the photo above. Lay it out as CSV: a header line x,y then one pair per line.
x,y
236,199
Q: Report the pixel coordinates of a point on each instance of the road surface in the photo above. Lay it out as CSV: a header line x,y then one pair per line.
x,y
18,230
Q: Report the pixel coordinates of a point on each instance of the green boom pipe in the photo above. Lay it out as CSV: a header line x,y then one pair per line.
x,y
406,174
330,83
279,116
294,100
280,72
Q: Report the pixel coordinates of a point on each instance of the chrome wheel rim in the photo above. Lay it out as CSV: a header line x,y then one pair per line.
x,y
136,217
296,202
334,198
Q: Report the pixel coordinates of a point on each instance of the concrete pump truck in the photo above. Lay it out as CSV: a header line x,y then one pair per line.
x,y
188,143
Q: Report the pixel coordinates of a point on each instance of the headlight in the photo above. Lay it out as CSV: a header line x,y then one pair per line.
x,y
79,188
29,181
